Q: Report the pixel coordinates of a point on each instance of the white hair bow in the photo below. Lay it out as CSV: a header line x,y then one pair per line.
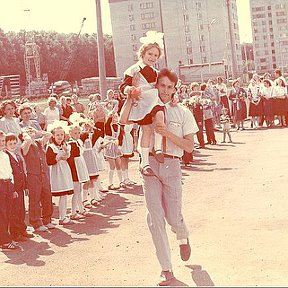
x,y
153,37
58,124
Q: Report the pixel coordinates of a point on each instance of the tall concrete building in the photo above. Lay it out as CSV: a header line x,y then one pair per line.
x,y
195,31
270,34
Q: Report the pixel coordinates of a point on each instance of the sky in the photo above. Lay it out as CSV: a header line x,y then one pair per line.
x,y
66,16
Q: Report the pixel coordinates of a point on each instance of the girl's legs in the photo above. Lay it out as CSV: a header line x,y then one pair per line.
x,y
159,119
85,194
124,168
229,135
119,171
62,207
145,142
224,135
112,166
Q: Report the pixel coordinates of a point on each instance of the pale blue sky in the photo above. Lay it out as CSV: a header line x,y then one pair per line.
x,y
66,16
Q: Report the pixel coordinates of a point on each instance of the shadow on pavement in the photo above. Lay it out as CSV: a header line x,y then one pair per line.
x,y
105,217
200,277
32,251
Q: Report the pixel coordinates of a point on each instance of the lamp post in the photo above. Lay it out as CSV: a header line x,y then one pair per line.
x,y
209,38
232,40
101,55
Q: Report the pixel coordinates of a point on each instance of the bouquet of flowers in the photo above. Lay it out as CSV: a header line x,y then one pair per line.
x,y
191,102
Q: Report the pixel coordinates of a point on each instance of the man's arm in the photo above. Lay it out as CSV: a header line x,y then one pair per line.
x,y
186,143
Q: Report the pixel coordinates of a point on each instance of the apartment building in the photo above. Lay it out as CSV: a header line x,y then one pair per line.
x,y
270,34
195,31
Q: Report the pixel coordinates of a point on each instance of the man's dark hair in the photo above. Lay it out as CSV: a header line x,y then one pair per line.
x,y
171,75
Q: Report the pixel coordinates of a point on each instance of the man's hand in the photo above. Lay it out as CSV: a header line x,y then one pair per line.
x,y
161,129
15,195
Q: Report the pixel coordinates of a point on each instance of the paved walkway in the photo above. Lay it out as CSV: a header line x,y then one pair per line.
x,y
235,205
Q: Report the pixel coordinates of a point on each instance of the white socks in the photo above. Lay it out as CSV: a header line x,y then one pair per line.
x,y
111,176
145,157
158,142
125,175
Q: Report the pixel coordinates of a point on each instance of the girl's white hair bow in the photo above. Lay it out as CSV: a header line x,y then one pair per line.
x,y
153,37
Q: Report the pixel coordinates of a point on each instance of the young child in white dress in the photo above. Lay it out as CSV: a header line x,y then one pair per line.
x,y
139,80
225,123
79,172
89,137
57,153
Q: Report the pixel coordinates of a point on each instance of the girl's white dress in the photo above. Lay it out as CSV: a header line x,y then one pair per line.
x,y
80,164
90,157
113,150
149,94
127,145
60,174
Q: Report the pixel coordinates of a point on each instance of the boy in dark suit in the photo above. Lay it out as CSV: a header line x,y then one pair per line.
x,y
17,218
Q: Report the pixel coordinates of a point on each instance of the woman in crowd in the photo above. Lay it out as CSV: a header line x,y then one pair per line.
x,y
239,111
256,104
51,113
267,93
25,112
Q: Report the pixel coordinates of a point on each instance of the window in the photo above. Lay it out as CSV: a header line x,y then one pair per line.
x,y
187,29
134,47
274,66
199,16
198,5
281,21
270,22
135,58
202,48
272,44
190,61
146,5
147,15
257,9
132,27
133,37
266,52
268,7
265,44
186,17
265,37
259,16
269,14
189,50
204,60
202,37
131,17
281,13
148,25
262,60
273,51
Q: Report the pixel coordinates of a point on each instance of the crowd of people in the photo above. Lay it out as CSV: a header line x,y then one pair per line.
x,y
61,151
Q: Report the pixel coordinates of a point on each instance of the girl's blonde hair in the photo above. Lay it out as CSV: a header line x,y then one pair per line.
x,y
144,47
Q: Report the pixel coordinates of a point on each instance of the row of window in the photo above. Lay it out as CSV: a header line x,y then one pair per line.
x,y
144,5
144,26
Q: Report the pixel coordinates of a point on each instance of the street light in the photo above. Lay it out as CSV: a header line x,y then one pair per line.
x,y
209,38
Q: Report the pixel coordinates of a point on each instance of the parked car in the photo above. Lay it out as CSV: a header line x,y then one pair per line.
x,y
60,87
